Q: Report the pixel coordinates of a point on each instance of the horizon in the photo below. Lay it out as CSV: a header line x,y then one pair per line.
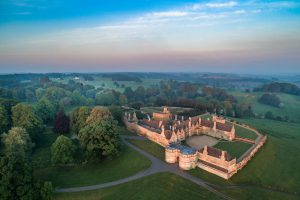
x,y
240,37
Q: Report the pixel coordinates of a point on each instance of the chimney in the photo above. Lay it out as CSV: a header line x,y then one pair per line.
x,y
199,120
223,155
175,117
182,118
205,150
160,123
190,122
215,126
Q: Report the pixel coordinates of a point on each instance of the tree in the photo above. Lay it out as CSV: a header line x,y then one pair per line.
x,y
106,98
270,99
24,116
117,113
3,120
16,179
123,99
99,138
62,151
78,118
61,123
45,110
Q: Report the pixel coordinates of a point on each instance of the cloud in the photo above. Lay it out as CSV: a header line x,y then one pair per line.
x,y
228,4
169,14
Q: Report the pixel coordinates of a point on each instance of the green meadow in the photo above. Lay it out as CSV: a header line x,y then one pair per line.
x,y
290,108
163,186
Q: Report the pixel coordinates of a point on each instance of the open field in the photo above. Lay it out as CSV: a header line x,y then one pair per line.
x,y
108,83
127,163
291,104
275,166
151,147
159,186
235,149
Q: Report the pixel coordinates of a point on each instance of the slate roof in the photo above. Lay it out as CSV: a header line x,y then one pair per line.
x,y
214,152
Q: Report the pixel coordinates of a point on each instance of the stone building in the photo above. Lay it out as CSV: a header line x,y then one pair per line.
x,y
169,130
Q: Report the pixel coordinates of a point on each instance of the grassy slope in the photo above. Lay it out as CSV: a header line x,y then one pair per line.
x,y
235,149
128,163
275,166
159,186
244,133
151,147
291,104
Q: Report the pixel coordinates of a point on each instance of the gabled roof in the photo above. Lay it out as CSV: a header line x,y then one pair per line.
x,y
206,123
223,127
214,152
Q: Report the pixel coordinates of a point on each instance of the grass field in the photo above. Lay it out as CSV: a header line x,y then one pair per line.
x,y
128,163
235,149
291,104
107,83
162,186
150,147
275,166
245,133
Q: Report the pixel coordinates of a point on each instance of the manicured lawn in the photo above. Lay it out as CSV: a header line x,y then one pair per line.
x,y
277,163
124,131
258,193
151,147
158,186
245,133
235,149
128,163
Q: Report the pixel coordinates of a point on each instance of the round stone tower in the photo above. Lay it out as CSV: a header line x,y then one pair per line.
x,y
171,154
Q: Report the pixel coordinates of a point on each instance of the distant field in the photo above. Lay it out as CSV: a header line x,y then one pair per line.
x,y
235,149
162,186
291,104
108,83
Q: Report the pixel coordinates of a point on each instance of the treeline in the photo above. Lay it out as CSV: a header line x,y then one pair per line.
x,y
122,77
287,88
270,99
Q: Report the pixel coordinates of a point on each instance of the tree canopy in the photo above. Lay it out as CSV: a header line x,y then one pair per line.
x,y
24,116
62,151
99,138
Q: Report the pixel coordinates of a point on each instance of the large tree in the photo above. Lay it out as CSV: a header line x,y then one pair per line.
x,y
3,120
78,118
24,116
61,123
99,138
62,151
16,180
46,110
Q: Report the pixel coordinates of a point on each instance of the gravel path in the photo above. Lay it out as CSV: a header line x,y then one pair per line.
x,y
156,166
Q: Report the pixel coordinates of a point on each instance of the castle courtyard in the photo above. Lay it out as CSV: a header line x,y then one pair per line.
x,y
200,141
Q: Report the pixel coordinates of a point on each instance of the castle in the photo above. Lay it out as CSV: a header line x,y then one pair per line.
x,y
169,130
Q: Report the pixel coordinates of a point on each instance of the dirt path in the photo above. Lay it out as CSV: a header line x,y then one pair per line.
x,y
156,166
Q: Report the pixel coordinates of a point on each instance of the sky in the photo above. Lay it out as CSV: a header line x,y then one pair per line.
x,y
257,37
